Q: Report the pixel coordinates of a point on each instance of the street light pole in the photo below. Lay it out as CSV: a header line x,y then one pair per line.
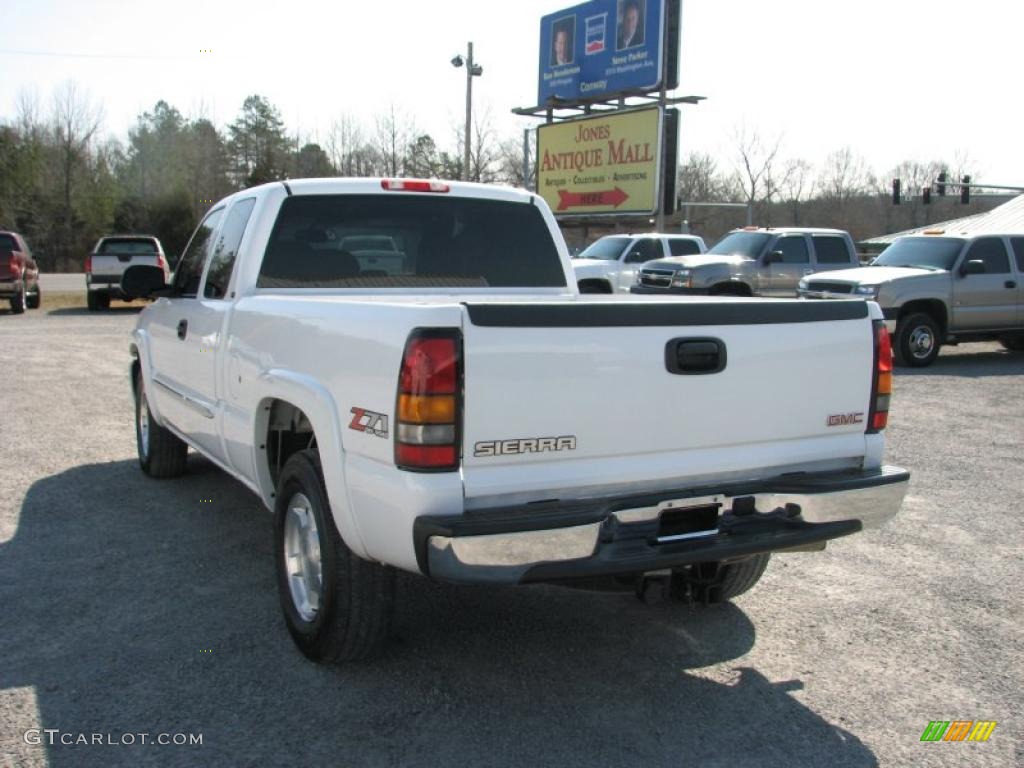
x,y
469,110
472,70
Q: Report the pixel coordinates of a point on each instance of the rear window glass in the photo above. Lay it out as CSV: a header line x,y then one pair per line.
x,y
831,250
434,242
8,243
128,245
680,247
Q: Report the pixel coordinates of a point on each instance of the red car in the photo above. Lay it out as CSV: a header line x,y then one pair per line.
x,y
19,275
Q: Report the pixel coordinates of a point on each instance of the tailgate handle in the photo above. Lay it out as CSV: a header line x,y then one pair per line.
x,y
695,356
182,329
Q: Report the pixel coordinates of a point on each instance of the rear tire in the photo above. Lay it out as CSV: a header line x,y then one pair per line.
x,y
918,339
1013,342
18,301
35,299
718,582
161,452
337,606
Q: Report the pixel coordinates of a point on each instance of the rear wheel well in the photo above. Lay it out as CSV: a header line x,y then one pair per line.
x,y
730,289
931,307
288,431
594,285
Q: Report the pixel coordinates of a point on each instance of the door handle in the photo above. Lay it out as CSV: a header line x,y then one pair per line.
x,y
1010,284
695,356
182,329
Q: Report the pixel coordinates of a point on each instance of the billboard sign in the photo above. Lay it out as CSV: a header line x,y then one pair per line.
x,y
606,164
602,48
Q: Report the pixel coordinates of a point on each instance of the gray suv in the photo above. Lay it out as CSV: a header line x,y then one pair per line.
x,y
754,261
937,289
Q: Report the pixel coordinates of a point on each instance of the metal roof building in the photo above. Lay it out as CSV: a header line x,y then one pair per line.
x,y
1007,218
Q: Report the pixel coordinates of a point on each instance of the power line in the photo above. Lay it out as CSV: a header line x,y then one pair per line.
x,y
75,55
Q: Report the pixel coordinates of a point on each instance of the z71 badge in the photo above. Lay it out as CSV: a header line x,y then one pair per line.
x,y
526,445
370,422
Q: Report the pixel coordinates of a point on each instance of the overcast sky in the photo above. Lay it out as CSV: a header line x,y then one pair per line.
x,y
893,79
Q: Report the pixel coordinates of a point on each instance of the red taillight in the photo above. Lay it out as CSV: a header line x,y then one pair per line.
x,y
160,262
428,411
88,264
881,384
413,185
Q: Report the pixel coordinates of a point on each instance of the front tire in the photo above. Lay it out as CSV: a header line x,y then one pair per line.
x,y
161,452
337,606
918,339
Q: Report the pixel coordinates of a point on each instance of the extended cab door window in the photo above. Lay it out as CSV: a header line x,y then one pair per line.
x,y
218,274
189,271
679,247
830,250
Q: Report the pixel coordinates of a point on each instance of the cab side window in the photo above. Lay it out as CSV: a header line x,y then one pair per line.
x,y
190,268
1018,251
991,251
679,247
794,249
223,260
646,249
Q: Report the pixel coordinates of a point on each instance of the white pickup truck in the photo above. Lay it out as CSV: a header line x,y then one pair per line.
x,y
448,415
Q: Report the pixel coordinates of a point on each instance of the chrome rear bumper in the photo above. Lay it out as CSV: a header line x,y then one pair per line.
x,y
553,541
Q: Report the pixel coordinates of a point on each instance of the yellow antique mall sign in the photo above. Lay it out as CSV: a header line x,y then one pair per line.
x,y
608,164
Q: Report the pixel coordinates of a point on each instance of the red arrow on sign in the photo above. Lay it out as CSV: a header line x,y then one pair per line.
x,y
614,197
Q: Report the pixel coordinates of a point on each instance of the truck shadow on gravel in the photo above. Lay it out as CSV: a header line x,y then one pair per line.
x,y
954,362
137,606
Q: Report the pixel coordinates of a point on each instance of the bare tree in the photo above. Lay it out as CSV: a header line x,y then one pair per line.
x,y
795,186
394,134
754,161
344,144
75,122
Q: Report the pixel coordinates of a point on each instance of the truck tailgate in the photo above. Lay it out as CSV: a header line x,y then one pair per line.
x,y
563,398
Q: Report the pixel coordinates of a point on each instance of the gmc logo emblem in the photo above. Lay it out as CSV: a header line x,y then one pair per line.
x,y
841,419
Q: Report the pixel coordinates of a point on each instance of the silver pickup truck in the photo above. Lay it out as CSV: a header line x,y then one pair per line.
x,y
754,261
937,289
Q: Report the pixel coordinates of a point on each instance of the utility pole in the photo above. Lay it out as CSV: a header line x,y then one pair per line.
x,y
472,70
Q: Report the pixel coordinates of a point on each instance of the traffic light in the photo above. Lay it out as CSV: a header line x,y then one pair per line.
x,y
926,195
965,189
895,191
941,185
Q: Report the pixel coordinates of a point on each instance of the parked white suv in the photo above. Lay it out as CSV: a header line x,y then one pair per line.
x,y
610,264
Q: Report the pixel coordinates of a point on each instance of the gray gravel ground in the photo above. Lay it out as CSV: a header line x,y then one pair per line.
x,y
133,606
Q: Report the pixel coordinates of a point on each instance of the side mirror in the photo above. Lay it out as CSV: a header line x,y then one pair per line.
x,y
143,282
634,256
775,257
973,267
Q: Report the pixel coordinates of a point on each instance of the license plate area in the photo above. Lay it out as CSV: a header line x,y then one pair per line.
x,y
688,519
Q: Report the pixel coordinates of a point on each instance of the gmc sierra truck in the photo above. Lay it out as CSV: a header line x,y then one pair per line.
x,y
939,288
446,413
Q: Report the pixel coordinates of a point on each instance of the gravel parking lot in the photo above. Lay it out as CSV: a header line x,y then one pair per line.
x,y
131,606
